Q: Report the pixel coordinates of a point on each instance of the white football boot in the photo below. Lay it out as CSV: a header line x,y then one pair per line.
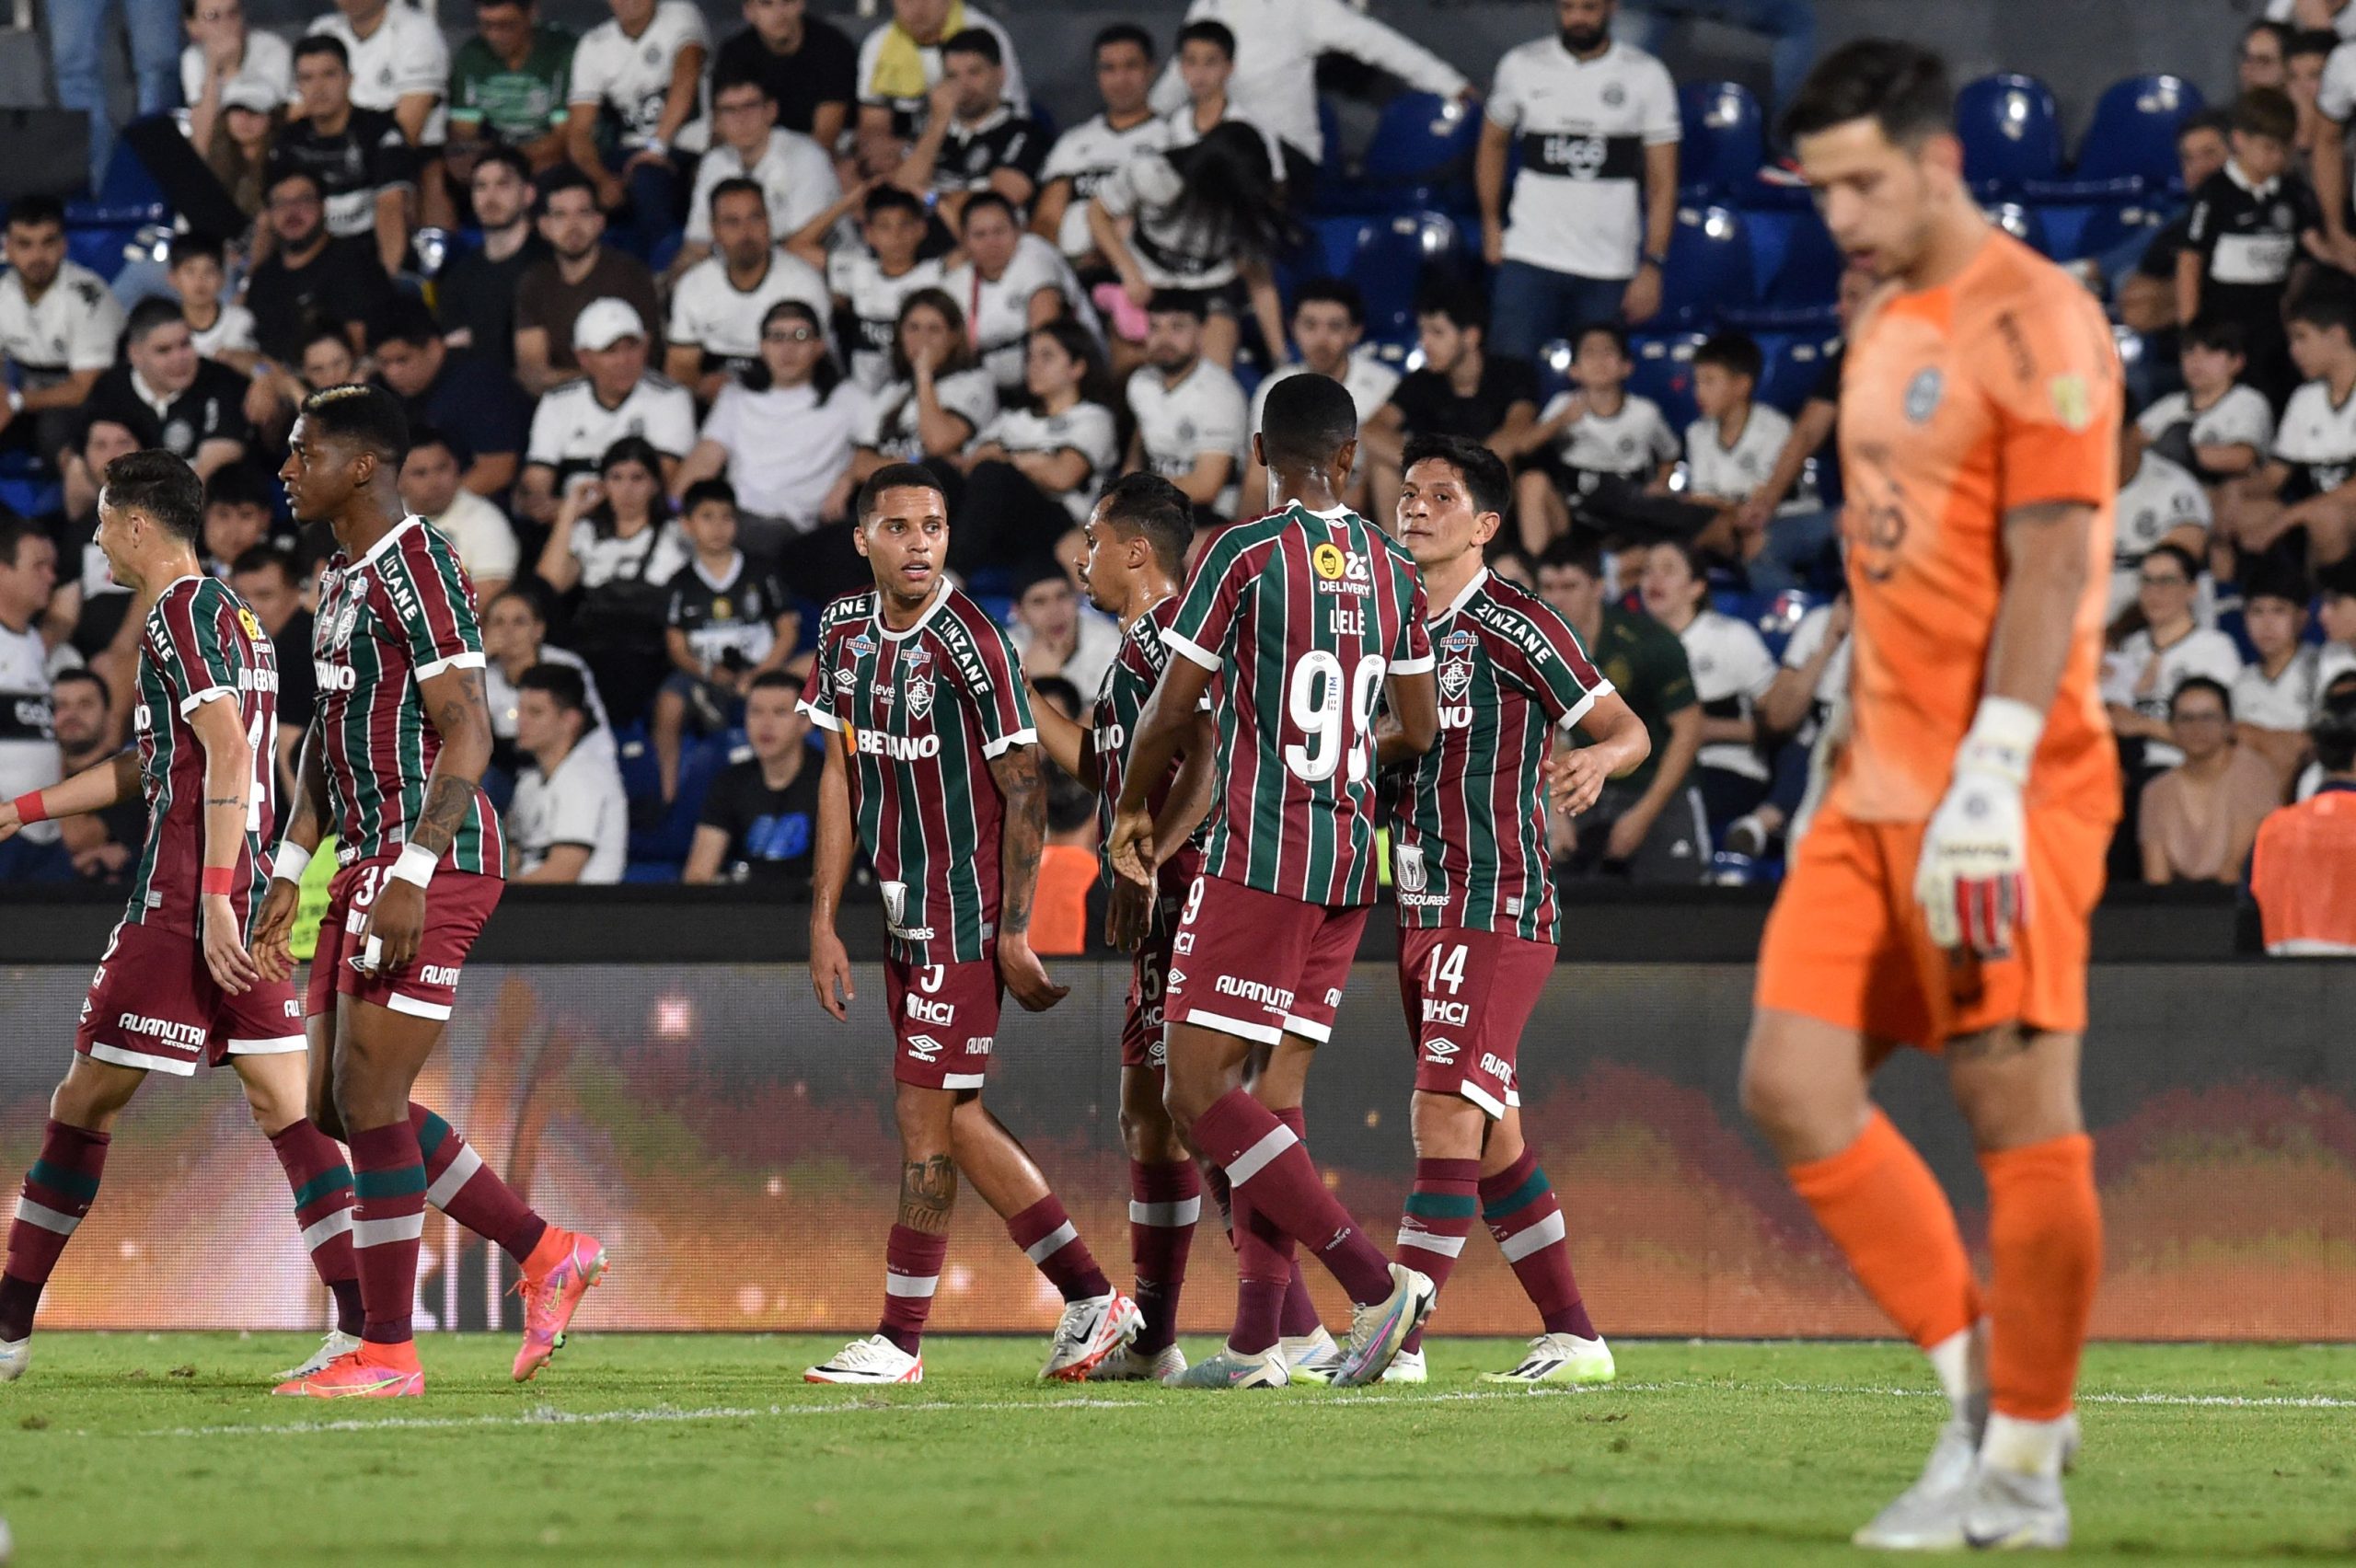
x,y
1090,1329
1560,1358
871,1360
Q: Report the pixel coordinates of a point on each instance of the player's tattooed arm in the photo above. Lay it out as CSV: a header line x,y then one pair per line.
x,y
928,1193
1021,842
461,716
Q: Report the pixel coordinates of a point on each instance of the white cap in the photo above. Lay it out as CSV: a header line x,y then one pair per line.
x,y
244,92
604,323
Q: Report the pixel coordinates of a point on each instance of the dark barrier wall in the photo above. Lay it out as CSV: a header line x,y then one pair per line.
x,y
733,1146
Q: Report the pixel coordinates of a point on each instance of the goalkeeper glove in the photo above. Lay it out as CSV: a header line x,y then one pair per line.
x,y
1972,880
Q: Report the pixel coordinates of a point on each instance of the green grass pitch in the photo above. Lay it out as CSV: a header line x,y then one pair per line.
x,y
128,1448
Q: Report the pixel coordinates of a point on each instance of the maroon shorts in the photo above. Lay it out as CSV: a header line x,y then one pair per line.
x,y
1469,995
1142,1041
944,1020
1258,964
154,1005
457,905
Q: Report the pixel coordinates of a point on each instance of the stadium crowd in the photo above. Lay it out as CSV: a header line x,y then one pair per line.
x,y
656,304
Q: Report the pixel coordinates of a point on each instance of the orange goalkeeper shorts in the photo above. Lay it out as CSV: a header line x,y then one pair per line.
x,y
1846,942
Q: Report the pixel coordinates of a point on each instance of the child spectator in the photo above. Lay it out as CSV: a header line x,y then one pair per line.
x,y
2309,484
2158,503
1191,413
1732,670
2275,696
637,90
785,437
433,488
2140,677
221,332
795,175
729,620
938,396
2242,236
1010,281
2217,428
2198,819
1205,65
759,822
1731,450
873,281
570,820
1038,467
1597,443
615,541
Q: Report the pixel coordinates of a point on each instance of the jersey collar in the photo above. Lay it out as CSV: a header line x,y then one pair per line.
x,y
1464,596
2234,172
940,598
735,567
397,529
166,590
1335,515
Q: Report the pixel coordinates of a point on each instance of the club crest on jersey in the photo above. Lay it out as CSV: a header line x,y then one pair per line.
x,y
341,637
1922,394
1456,679
919,681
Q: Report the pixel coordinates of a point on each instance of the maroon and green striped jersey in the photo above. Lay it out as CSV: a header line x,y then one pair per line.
x,y
1469,817
1128,683
922,712
397,616
201,643
1299,617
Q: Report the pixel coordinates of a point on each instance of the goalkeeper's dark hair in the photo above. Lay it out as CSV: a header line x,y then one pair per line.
x,y
1902,87
368,417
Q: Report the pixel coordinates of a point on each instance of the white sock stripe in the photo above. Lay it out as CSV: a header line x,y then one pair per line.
x,y
1254,1160
910,1284
385,1232
461,1172
1545,1233
44,1216
322,1232
1054,1241
1429,1241
1166,1217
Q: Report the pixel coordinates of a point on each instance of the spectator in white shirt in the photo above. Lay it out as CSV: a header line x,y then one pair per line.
x,y
220,331
939,396
578,423
59,324
1732,670
784,437
1596,445
1083,155
224,51
1206,64
1010,281
401,63
794,173
1056,634
2158,503
717,309
1732,448
874,279
900,64
514,637
1037,468
2276,697
1191,414
639,77
2140,677
431,487
1277,46
570,820
2217,427
1328,323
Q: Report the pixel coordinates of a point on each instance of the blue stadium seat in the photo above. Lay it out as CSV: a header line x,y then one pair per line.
x,y
1709,266
2022,223
1421,152
1665,373
1793,363
1388,259
2010,131
2134,132
1725,140
701,762
650,872
2108,227
101,246
1808,274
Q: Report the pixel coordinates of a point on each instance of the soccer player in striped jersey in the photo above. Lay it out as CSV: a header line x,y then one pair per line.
x,y
933,761
176,985
1477,920
1137,557
398,743
1296,623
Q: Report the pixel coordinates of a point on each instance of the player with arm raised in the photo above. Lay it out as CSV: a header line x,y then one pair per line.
x,y
933,761
1137,557
1300,622
398,743
1941,897
176,985
1477,919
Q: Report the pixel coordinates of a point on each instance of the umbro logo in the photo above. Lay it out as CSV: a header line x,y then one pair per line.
x,y
1442,1051
924,1047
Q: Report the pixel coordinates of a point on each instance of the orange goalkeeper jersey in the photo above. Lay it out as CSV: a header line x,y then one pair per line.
x,y
1997,389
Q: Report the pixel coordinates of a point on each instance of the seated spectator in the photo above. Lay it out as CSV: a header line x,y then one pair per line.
x,y
1205,219
718,308
636,88
874,280
577,424
431,488
105,844
1086,154
795,175
514,637
2309,484
366,167
809,67
1462,390
2141,676
974,139
1732,448
326,359
235,520
89,609
474,295
784,437
1786,536
1596,446
2274,697
1732,670
578,271
570,820
2147,295
310,275
1011,282
615,541
509,87
2299,869
2158,503
58,326
456,393
1647,826
1191,413
224,53
938,397
760,819
168,397
899,64
222,332
2336,614
1206,65
238,151
1328,323
1057,633
729,620
268,580
1813,673
28,752
2219,427
1037,468
399,63
2198,819
2242,239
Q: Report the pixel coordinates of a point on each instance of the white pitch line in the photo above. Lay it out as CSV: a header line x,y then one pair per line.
x,y
547,1415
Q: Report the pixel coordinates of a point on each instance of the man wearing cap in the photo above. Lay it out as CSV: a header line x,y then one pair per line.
x,y
618,396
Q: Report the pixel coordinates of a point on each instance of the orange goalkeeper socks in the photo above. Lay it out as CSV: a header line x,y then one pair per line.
x,y
2045,1252
1885,1210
